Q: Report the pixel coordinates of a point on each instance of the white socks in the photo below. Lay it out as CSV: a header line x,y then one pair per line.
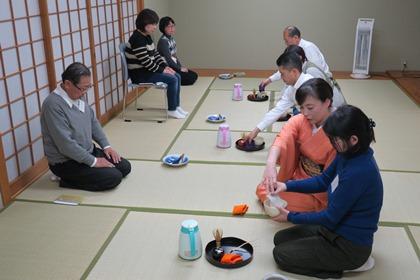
x,y
368,265
54,178
180,110
176,114
179,113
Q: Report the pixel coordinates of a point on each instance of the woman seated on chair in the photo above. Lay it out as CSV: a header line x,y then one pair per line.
x,y
145,65
301,147
167,48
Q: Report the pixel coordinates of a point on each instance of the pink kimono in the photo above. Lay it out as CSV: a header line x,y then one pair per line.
x,y
302,155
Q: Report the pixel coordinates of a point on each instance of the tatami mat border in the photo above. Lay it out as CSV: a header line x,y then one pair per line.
x,y
204,213
400,171
198,212
7,206
228,163
232,130
270,106
237,163
105,245
190,117
412,240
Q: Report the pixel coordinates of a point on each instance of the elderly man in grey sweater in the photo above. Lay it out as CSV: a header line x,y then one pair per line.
x,y
69,127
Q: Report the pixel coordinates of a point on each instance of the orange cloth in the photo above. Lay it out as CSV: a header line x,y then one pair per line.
x,y
231,258
295,140
239,209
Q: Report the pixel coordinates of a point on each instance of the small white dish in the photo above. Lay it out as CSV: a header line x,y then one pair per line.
x,y
226,76
274,276
173,160
216,118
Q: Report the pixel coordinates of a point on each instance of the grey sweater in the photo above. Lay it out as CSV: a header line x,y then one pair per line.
x,y
167,48
68,132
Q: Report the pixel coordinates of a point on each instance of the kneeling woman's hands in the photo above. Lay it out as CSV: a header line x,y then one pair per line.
x,y
274,190
277,187
282,217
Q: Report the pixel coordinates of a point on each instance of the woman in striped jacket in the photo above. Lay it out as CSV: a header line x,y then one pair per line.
x,y
145,65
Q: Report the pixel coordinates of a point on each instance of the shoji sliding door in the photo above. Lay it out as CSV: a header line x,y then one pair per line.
x,y
23,87
106,30
129,14
39,38
69,32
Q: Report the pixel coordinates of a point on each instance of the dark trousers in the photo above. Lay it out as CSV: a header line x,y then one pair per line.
x,y
173,82
187,78
81,176
315,251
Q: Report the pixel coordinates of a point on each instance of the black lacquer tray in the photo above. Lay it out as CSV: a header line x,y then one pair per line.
x,y
229,245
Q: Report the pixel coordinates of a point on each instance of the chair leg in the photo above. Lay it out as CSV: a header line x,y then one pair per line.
x,y
125,92
165,98
137,97
165,101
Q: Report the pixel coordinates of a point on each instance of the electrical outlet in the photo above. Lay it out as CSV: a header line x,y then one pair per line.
x,y
404,65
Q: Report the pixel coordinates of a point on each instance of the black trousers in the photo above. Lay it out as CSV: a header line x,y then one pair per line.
x,y
188,78
315,251
81,176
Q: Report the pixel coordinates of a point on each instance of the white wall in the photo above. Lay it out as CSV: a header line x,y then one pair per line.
x,y
248,33
161,7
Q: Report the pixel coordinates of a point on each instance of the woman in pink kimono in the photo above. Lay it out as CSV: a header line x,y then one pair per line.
x,y
301,148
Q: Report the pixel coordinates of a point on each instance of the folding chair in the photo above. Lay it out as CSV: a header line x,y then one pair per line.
x,y
129,84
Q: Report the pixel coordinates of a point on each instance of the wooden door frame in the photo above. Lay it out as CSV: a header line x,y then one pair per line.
x,y
4,180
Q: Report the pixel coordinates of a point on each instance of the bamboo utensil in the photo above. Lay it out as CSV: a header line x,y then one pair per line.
x,y
240,246
218,234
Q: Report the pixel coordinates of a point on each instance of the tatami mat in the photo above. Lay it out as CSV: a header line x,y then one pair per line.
x,y
145,139
142,140
401,194
240,115
190,95
143,250
277,127
397,121
216,188
247,84
377,96
44,241
37,241
125,259
198,187
201,146
398,138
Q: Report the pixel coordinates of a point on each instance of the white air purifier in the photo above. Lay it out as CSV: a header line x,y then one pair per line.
x,y
362,47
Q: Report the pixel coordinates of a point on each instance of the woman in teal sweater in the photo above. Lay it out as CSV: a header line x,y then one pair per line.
x,y
325,244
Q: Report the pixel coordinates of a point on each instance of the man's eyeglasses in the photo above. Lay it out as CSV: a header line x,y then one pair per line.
x,y
83,89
